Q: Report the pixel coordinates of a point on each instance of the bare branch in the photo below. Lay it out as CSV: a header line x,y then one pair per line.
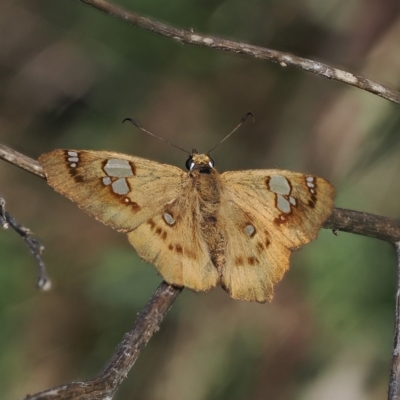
x,y
36,248
366,224
21,161
283,59
394,383
106,383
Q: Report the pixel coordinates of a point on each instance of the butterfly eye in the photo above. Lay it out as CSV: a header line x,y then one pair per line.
x,y
211,163
189,163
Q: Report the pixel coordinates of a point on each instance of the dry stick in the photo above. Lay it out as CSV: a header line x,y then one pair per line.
x,y
394,383
283,59
106,383
21,161
6,220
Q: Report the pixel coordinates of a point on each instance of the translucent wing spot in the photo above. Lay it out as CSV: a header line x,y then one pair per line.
x,y
292,200
72,158
118,168
250,230
282,204
311,184
279,184
169,219
120,186
107,181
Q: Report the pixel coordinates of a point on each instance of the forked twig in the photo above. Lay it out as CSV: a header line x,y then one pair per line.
x,y
36,248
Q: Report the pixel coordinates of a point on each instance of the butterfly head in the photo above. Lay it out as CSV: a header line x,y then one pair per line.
x,y
200,162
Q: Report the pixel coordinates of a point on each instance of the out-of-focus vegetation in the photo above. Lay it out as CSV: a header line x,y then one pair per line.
x,y
69,75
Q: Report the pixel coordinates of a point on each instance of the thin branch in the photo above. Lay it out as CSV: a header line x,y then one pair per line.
x,y
394,383
107,382
366,224
21,161
283,59
36,248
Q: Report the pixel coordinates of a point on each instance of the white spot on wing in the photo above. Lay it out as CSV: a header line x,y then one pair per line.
x,y
120,186
249,229
310,179
169,219
292,200
283,205
73,154
107,181
72,165
118,168
279,184
73,159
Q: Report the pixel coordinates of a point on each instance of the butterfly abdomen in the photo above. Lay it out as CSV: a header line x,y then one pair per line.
x,y
208,188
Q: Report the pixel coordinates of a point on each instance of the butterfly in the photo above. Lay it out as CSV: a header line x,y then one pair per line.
x,y
199,228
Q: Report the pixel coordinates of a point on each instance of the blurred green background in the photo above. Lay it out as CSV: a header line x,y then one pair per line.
x,y
70,74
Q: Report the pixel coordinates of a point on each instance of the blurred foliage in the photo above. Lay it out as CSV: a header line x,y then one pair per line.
x,y
70,75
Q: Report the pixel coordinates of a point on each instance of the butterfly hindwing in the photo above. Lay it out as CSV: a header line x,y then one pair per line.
x,y
173,242
117,189
255,260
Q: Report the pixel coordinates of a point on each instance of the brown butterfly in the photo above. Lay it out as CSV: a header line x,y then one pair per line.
x,y
199,228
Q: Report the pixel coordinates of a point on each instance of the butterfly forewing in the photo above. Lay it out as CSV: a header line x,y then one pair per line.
x,y
117,189
291,206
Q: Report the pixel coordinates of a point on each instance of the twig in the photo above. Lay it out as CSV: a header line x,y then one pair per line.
x,y
283,59
106,383
21,161
36,248
394,383
366,224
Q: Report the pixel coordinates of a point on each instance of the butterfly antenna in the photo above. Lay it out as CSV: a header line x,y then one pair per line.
x,y
152,134
245,116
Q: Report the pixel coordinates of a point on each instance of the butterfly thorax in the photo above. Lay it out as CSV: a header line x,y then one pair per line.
x,y
207,183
